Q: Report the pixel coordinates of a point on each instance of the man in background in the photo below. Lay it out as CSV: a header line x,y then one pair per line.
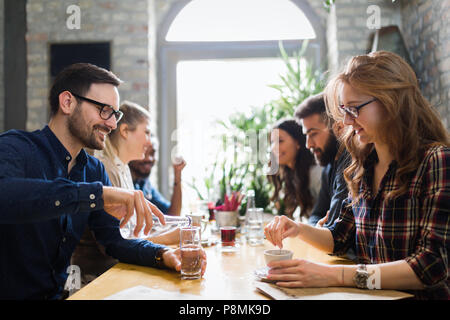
x,y
321,132
140,171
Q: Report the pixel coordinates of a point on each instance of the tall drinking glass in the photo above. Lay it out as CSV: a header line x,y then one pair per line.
x,y
190,245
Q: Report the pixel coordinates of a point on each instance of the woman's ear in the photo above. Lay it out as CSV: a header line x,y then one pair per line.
x,y
124,130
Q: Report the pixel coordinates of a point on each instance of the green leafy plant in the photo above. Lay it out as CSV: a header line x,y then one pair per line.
x,y
328,3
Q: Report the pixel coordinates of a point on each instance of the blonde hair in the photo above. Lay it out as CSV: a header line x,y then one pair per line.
x,y
411,124
133,115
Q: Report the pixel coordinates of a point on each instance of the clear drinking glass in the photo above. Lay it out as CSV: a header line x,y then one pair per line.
x,y
190,245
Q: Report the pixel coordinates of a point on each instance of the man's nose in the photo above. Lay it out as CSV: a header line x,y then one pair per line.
x,y
111,123
309,143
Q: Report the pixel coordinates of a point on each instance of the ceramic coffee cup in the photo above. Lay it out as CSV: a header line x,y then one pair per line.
x,y
277,255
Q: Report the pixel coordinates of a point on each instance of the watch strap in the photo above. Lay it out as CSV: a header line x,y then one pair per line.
x,y
159,260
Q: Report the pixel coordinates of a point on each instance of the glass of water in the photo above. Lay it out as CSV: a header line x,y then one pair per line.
x,y
191,259
254,226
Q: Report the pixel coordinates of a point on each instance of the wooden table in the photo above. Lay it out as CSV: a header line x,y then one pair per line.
x,y
228,276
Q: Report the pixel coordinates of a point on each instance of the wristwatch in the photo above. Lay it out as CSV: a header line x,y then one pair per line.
x,y
361,276
159,258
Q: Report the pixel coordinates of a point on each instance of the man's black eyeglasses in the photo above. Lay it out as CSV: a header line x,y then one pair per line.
x,y
106,111
354,111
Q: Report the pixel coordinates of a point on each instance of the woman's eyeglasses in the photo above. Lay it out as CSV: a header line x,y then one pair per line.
x,y
106,111
354,111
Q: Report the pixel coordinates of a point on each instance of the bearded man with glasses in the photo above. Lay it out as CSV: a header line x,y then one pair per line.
x,y
52,189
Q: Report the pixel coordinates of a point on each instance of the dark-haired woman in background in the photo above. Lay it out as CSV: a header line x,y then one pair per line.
x,y
297,180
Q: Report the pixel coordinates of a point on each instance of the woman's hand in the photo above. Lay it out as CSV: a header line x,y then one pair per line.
x,y
299,273
172,259
168,238
280,228
322,221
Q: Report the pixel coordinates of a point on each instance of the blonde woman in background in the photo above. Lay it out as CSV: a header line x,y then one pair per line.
x,y
128,142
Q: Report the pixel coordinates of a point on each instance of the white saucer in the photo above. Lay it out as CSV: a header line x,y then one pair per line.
x,y
229,248
209,242
261,274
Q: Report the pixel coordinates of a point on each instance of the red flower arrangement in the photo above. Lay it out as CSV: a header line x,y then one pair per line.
x,y
231,204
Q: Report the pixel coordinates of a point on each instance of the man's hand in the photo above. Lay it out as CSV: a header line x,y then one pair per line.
x,y
178,165
122,204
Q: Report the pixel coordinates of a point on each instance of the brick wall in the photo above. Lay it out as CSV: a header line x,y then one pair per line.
x,y
424,24
351,26
123,23
426,30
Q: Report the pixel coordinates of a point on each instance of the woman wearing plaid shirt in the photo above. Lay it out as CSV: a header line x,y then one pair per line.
x,y
397,215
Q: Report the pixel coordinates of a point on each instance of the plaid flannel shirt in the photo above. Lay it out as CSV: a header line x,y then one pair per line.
x,y
413,227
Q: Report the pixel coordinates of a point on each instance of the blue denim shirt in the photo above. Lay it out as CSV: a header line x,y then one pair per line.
x,y
44,211
152,194
333,191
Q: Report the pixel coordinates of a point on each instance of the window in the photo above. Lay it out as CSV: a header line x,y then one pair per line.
x,y
240,20
216,57
212,90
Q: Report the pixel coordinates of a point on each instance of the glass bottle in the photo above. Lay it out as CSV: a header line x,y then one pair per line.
x,y
249,208
254,232
172,222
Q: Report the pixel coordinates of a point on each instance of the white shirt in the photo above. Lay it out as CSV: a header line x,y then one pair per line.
x,y
118,172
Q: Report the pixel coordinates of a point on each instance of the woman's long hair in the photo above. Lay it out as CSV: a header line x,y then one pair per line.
x,y
411,125
294,183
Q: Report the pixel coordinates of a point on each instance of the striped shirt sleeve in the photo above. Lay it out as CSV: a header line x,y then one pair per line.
x,y
343,229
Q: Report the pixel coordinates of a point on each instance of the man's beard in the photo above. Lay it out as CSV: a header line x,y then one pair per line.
x,y
138,171
329,151
77,127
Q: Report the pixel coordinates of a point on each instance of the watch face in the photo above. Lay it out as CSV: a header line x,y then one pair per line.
x,y
361,278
